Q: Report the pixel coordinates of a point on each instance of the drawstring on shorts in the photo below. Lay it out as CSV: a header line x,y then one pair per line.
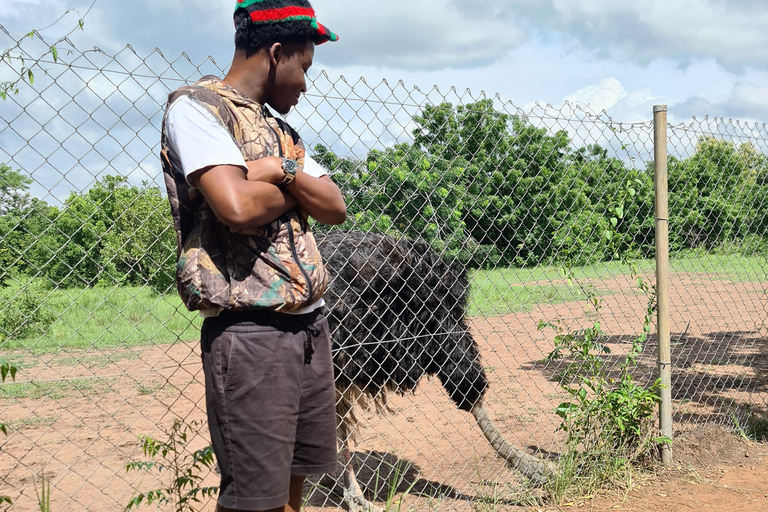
x,y
308,348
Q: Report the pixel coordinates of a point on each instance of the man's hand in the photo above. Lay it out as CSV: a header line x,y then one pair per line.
x,y
244,202
318,197
268,169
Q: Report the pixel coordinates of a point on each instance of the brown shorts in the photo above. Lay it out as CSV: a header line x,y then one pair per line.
x,y
271,415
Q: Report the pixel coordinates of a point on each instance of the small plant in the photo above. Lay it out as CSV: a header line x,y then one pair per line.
x,y
44,493
23,311
579,347
398,477
753,426
184,469
608,417
608,421
583,348
6,369
25,73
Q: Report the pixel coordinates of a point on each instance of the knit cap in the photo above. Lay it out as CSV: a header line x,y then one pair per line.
x,y
262,12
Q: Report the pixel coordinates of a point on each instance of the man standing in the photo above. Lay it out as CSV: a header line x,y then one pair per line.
x,y
241,188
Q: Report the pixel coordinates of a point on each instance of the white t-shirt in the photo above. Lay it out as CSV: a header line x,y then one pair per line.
x,y
196,139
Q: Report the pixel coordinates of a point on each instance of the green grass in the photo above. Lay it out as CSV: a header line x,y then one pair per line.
x,y
489,297
114,317
721,266
32,422
108,318
55,389
513,290
94,361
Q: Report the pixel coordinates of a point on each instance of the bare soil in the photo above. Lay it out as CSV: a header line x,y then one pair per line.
x,y
82,430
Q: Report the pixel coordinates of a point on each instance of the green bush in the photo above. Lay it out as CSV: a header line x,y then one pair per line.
x,y
25,311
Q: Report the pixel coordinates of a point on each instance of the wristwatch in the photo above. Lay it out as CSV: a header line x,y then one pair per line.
x,y
289,171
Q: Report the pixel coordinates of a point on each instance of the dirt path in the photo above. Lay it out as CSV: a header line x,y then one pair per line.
x,y
78,416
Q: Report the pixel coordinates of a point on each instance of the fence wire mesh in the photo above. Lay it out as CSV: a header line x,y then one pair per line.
x,y
545,215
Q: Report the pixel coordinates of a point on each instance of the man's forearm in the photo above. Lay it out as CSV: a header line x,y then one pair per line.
x,y
319,197
240,204
274,202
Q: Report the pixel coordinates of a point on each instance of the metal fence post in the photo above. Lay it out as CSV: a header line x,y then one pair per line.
x,y
662,275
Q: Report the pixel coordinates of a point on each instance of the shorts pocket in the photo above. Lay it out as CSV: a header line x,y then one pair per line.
x,y
245,359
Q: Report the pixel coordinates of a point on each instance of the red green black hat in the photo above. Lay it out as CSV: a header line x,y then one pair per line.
x,y
262,12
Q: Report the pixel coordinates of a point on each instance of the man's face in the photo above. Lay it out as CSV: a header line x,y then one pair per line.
x,y
293,60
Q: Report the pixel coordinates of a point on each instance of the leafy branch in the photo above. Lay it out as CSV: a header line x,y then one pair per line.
x,y
16,56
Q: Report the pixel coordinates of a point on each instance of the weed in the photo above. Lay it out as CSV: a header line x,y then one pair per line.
x,y
31,422
151,388
44,493
583,348
607,419
607,422
95,361
393,504
184,469
755,428
24,311
6,370
497,496
56,389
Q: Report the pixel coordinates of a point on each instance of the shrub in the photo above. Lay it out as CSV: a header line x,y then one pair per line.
x,y
24,311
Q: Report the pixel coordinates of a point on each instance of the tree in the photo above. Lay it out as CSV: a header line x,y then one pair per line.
x,y
705,192
115,233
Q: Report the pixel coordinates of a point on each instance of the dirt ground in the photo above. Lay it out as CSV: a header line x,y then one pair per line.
x,y
78,420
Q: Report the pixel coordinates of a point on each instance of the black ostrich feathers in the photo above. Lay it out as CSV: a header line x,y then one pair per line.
x,y
397,312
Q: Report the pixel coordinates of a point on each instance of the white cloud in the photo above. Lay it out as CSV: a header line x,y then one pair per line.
x,y
417,34
601,96
747,101
694,55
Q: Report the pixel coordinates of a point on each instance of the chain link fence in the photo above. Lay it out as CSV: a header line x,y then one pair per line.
x,y
549,212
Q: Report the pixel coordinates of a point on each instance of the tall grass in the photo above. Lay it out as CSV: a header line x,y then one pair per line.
x,y
86,318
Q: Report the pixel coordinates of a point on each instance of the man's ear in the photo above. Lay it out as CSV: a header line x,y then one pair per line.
x,y
275,53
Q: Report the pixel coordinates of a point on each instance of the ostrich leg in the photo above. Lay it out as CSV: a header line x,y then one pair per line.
x,y
539,471
353,495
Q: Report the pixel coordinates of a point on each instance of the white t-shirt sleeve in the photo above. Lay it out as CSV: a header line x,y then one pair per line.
x,y
313,168
197,139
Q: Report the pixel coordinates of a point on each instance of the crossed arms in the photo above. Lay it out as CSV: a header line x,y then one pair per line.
x,y
247,201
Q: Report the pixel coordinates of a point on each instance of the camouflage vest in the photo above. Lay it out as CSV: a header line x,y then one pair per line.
x,y
276,266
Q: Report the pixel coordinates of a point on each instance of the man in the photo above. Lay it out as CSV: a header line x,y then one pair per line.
x,y
241,188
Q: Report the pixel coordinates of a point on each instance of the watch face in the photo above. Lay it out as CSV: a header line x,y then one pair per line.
x,y
289,170
289,166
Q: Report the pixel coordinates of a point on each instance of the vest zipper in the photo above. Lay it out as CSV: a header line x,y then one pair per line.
x,y
298,262
294,253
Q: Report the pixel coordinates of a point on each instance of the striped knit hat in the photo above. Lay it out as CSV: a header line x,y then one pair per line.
x,y
262,12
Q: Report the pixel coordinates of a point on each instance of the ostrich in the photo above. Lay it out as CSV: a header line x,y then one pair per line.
x,y
396,311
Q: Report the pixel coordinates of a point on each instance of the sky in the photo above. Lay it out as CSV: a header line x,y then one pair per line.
x,y
612,58
699,57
